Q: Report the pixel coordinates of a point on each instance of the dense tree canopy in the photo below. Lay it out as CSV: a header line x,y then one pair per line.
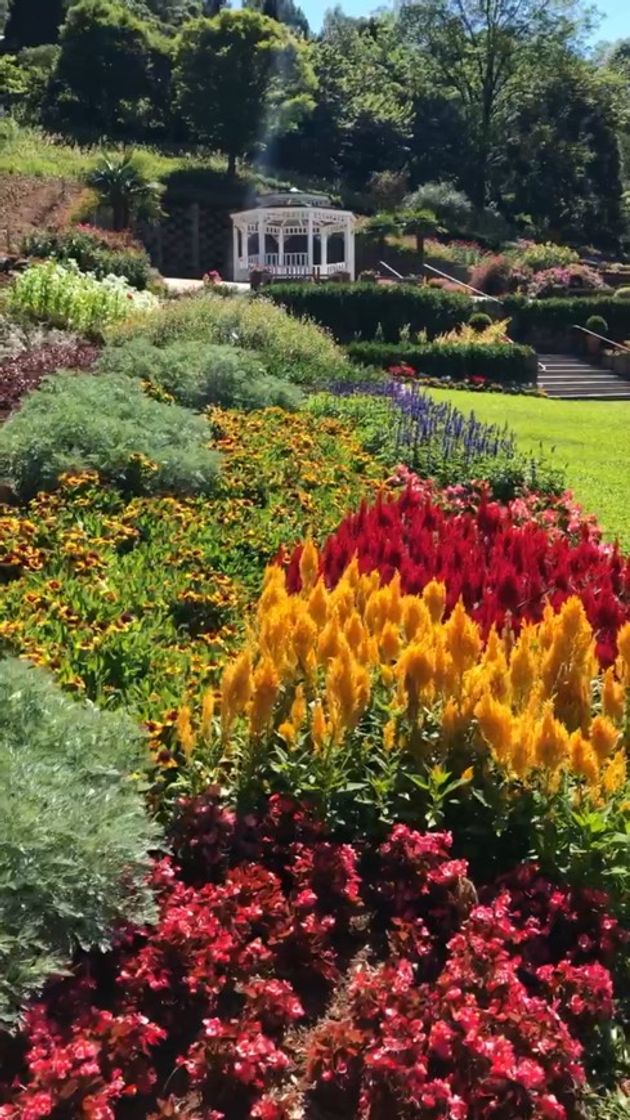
x,y
497,99
240,79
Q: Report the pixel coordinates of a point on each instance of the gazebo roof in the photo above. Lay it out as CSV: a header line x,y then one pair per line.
x,y
292,211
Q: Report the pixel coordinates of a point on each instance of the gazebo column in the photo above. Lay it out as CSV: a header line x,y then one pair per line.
x,y
348,247
235,260
309,243
281,249
323,238
261,240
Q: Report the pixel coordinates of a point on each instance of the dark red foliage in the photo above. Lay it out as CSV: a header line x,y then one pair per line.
x,y
504,570
23,372
411,997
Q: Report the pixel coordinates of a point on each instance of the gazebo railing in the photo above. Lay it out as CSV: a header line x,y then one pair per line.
x,y
289,264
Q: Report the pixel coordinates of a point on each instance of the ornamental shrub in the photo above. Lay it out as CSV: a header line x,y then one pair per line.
x,y
622,293
597,323
493,276
290,349
108,424
62,296
564,280
74,833
196,375
539,257
360,310
93,251
558,316
497,361
480,321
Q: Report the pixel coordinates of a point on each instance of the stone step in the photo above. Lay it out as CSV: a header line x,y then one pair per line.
x,y
570,378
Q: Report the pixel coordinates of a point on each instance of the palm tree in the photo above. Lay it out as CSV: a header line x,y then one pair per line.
x,y
125,189
421,224
381,226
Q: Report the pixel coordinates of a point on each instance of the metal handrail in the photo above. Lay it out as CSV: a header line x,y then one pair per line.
x,y
445,276
462,284
593,334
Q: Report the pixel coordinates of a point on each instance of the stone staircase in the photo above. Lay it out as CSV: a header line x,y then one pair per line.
x,y
569,378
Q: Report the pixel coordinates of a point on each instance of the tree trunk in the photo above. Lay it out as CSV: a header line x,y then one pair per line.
x,y
231,164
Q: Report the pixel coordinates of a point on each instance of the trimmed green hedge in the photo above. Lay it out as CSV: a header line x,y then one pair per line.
x,y
556,316
353,311
496,361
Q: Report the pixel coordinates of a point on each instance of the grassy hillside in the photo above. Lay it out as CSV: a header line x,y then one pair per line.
x,y
590,439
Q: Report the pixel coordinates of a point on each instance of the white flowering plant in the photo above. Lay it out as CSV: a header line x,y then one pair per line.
x,y
63,296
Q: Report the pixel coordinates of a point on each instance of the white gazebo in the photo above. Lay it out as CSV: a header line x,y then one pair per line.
x,y
293,234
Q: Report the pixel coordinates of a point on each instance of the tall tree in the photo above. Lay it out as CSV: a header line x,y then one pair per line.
x,y
561,164
33,22
477,48
104,81
240,79
284,11
361,122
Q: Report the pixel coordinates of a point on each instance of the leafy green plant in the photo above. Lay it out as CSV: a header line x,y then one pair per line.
x,y
541,256
110,425
196,375
62,296
622,293
353,311
125,190
74,833
92,253
297,351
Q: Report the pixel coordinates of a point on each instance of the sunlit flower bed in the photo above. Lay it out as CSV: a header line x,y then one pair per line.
x,y
392,776
292,975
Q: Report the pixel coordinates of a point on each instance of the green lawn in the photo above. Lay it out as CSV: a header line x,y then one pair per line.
x,y
590,439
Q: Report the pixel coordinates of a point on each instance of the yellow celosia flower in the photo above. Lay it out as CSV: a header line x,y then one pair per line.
x,y
615,773
496,725
389,735
623,645
415,617
613,696
356,635
319,727
329,641
604,737
463,640
390,641
583,760
287,731
207,713
184,731
298,707
550,741
434,598
522,667
236,689
264,692
309,565
414,670
318,604
304,637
